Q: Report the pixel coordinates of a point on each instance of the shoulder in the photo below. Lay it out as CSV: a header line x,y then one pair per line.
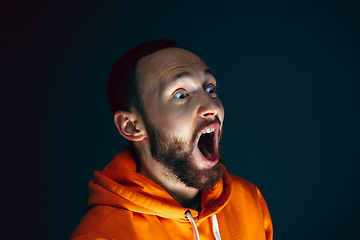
x,y
239,183
243,189
245,196
248,205
104,222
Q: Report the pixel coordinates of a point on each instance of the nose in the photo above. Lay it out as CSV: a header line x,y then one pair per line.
x,y
208,107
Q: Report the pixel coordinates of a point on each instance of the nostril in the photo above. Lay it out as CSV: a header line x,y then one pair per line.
x,y
208,114
208,109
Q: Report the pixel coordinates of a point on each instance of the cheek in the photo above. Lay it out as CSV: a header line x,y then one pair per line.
x,y
178,119
175,121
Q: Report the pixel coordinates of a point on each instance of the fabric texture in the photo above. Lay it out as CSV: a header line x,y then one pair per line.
x,y
123,204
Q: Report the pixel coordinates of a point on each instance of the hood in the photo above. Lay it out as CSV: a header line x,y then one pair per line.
x,y
120,185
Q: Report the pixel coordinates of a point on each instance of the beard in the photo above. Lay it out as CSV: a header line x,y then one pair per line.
x,y
176,156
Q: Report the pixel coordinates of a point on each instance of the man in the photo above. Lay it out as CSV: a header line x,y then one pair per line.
x,y
170,183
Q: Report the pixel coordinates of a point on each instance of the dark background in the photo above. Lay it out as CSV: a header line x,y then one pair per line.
x,y
289,75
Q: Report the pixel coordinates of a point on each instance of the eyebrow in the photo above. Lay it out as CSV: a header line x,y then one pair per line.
x,y
182,75
208,71
185,74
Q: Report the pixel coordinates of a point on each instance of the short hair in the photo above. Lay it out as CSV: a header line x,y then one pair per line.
x,y
122,88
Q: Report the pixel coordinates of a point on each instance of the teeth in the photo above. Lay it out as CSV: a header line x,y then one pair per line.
x,y
209,130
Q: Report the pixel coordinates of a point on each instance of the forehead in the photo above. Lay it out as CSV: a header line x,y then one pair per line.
x,y
157,67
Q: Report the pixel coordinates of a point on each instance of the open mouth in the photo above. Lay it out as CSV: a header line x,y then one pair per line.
x,y
206,143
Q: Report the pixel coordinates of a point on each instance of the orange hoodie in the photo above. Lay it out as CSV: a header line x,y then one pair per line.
x,y
123,204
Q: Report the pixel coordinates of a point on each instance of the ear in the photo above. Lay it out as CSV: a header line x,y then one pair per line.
x,y
130,125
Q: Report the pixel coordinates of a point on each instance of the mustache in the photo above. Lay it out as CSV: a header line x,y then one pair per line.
x,y
203,125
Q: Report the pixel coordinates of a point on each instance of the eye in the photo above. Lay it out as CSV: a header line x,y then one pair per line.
x,y
210,89
181,94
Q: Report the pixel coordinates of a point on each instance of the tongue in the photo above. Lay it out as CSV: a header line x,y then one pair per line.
x,y
205,145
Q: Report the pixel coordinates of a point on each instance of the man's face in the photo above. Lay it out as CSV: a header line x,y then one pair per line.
x,y
183,115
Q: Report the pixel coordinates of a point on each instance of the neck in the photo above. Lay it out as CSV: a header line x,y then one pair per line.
x,y
187,197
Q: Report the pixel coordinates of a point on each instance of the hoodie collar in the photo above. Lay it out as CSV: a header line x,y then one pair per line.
x,y
120,185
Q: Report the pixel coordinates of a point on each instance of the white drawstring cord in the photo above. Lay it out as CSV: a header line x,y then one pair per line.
x,y
193,225
216,227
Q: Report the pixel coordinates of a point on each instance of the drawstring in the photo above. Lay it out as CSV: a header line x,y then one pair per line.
x,y
215,226
193,224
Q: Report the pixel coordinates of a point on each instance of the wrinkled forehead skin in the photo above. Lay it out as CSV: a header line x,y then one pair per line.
x,y
153,70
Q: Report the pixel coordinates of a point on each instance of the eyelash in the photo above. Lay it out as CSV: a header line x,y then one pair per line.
x,y
181,91
214,88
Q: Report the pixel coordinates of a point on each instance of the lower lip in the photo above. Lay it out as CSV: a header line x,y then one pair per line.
x,y
210,162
